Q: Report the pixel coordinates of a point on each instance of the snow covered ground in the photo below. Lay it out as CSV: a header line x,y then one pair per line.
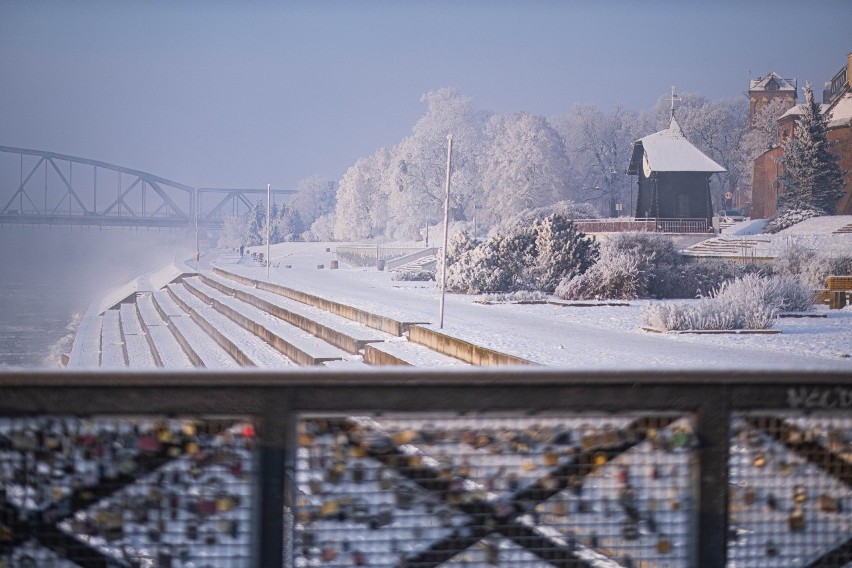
x,y
600,337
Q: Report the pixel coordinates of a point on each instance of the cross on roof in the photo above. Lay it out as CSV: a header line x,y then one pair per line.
x,y
674,98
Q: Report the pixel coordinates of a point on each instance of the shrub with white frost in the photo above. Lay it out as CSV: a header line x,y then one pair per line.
x,y
750,302
810,266
617,275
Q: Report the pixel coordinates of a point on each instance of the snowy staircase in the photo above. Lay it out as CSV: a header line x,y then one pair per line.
x,y
285,338
845,229
724,247
424,263
246,348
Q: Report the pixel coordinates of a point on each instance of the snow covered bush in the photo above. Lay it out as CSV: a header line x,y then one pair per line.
x,y
497,265
696,278
811,267
646,265
561,251
790,294
535,257
515,297
749,302
413,276
617,274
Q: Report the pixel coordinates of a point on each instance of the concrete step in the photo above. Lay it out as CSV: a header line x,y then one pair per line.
x,y
163,343
403,352
245,347
139,353
112,346
198,346
341,332
375,321
86,350
289,340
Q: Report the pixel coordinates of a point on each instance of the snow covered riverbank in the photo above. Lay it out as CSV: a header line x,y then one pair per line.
x,y
602,337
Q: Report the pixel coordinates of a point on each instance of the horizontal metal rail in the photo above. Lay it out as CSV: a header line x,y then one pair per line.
x,y
277,401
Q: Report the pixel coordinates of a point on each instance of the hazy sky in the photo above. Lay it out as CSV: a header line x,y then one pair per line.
x,y
241,94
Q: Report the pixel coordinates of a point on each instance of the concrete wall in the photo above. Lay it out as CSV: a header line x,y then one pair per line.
x,y
461,349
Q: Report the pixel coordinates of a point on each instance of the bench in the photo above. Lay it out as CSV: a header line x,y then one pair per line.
x,y
837,288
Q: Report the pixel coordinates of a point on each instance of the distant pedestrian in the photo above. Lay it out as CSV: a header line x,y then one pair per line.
x,y
197,258
242,249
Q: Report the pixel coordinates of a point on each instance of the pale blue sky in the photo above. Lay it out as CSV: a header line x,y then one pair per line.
x,y
239,94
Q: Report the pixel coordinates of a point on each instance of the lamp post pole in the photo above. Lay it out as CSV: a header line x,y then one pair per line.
x,y
268,205
446,225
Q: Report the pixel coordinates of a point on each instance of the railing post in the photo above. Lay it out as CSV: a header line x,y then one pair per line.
x,y
713,427
275,482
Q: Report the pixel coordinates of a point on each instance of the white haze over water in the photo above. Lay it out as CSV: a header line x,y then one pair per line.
x,y
49,276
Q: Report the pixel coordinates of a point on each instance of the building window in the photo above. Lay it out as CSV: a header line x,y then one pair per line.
x,y
772,86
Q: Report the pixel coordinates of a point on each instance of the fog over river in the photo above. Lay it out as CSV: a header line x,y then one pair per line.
x,y
50,275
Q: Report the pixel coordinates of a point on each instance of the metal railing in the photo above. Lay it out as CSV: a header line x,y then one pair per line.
x,y
658,225
369,255
513,467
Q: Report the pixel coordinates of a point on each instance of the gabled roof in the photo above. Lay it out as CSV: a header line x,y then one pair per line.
x,y
799,110
669,151
760,84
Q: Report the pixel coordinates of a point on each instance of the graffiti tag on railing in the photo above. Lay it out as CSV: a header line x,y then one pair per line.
x,y
804,397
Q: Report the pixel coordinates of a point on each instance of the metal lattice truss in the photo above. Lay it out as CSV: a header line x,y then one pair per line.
x,y
230,202
54,188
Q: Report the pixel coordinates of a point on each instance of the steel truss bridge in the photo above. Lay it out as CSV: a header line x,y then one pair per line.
x,y
46,188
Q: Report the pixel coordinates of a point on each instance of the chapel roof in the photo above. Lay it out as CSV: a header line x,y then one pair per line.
x,y
669,151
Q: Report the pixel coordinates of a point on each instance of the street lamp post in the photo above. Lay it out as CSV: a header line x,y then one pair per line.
x,y
268,205
446,226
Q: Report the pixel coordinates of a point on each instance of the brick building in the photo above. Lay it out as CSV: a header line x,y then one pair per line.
x,y
763,90
837,105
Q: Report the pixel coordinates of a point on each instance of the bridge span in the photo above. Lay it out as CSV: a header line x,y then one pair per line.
x,y
46,188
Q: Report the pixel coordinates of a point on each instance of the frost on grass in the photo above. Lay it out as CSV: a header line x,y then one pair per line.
x,y
750,302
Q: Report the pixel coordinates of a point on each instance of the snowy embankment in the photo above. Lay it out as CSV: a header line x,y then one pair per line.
x,y
604,337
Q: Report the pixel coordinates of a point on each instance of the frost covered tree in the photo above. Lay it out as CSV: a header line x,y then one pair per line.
x,y
315,197
255,228
322,229
287,224
416,191
524,165
760,137
361,211
812,177
598,144
233,233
